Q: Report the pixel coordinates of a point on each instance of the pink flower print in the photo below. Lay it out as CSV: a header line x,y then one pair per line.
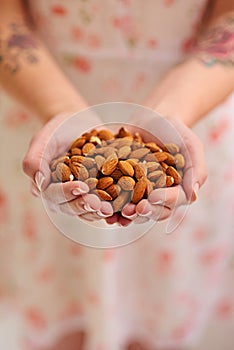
x,y
72,309
218,131
46,274
77,33
165,260
152,43
199,235
82,64
29,226
93,41
59,10
126,25
75,249
169,2
17,118
4,214
224,309
108,255
35,318
212,255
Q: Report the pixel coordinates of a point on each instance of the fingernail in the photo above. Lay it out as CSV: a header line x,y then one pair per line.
x,y
158,202
78,191
35,192
195,191
88,208
145,214
100,213
130,217
39,180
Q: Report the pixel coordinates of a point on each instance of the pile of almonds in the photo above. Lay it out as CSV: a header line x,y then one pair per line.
x,y
119,168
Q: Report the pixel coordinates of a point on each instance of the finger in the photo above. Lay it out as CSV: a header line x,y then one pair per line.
x,y
91,217
124,221
169,197
195,169
64,192
144,208
105,210
129,211
92,202
34,190
141,219
112,219
75,207
160,213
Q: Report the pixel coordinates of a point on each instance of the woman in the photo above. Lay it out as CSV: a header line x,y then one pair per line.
x,y
161,302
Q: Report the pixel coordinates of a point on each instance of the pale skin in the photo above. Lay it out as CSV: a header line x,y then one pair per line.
x,y
211,84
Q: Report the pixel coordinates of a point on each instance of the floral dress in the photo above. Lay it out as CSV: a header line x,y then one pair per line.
x,y
162,289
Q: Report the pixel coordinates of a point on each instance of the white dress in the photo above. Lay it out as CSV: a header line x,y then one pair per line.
x,y
162,289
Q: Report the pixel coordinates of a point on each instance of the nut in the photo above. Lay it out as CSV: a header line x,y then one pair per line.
x,y
126,168
126,183
119,168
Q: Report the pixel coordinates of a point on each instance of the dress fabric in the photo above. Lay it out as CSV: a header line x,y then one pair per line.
x,y
162,289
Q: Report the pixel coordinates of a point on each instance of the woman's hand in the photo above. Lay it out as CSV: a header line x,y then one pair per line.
x,y
162,202
53,139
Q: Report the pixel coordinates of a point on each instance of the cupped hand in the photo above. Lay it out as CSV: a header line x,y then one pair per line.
x,y
52,140
162,202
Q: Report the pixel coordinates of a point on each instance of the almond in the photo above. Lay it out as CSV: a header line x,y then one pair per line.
x,y
132,161
160,156
149,188
93,172
95,140
139,190
179,161
126,168
174,173
110,165
103,195
86,161
155,175
153,147
125,141
76,151
100,160
126,183
54,177
137,137
91,182
140,170
104,182
169,181
113,190
170,159
62,159
116,174
88,149
78,143
123,152
79,171
110,151
123,132
139,153
150,157
164,166
152,166
63,172
105,135
171,148
161,181
120,201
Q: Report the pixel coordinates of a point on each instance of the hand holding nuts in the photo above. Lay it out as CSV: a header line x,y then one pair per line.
x,y
119,168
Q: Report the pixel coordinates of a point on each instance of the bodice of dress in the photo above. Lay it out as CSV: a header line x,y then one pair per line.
x,y
118,47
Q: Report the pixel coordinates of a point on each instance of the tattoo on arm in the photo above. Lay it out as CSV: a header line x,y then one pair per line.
x,y
216,44
17,47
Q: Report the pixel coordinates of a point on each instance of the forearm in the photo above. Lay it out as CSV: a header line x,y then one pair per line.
x,y
193,88
30,74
